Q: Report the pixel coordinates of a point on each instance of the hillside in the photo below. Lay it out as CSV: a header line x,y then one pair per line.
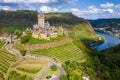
x,y
28,18
12,20
107,63
69,52
112,22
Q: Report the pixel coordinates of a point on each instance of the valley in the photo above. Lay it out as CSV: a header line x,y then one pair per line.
x,y
25,56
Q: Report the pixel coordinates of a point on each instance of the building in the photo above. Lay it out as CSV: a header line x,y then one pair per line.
x,y
44,30
41,20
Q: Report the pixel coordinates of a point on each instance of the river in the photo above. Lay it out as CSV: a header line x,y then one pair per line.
x,y
110,41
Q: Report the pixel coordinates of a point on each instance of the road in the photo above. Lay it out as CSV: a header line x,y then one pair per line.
x,y
50,61
15,52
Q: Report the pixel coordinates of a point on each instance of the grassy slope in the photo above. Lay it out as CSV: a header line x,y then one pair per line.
x,y
6,60
63,53
42,41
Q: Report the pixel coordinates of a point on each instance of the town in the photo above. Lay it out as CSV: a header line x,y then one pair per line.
x,y
112,31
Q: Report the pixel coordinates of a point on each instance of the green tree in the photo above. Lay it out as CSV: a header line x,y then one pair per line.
x,y
73,65
67,62
63,77
18,33
59,31
28,32
22,51
53,67
24,39
73,76
13,74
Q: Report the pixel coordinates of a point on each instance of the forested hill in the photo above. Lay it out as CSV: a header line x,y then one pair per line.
x,y
64,18
17,18
108,63
28,18
112,22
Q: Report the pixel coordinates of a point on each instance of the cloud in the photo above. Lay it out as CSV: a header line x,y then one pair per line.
x,y
108,10
117,6
102,10
93,9
29,1
34,4
39,1
26,7
94,12
6,8
107,5
48,9
74,10
90,10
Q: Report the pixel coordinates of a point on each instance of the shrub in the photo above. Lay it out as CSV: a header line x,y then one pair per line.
x,y
67,62
28,32
18,33
13,74
22,51
63,77
73,65
53,67
1,76
24,39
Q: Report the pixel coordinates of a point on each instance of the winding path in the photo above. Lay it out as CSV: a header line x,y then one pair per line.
x,y
39,75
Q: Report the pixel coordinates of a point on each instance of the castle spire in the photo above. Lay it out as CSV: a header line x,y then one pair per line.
x,y
41,20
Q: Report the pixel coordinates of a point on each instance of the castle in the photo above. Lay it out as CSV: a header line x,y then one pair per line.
x,y
44,30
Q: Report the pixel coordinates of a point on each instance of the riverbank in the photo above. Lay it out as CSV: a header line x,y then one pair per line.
x,y
109,41
115,34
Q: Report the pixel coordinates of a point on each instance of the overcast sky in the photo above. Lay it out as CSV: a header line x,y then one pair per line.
x,y
89,9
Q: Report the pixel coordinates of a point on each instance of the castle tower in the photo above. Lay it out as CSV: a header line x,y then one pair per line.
x,y
41,20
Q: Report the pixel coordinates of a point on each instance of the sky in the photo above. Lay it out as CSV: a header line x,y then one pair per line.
x,y
88,9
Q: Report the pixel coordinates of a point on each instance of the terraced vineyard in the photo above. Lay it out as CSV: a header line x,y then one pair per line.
x,y
63,53
6,59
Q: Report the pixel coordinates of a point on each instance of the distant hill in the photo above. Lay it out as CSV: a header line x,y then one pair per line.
x,y
28,18
64,18
112,22
17,18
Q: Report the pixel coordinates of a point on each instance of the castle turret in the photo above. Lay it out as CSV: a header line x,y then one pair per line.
x,y
41,20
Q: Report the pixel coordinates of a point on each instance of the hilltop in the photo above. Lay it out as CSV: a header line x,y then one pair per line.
x,y
12,20
28,18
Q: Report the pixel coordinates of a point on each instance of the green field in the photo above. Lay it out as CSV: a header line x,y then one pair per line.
x,y
62,53
42,41
13,75
1,44
83,32
6,60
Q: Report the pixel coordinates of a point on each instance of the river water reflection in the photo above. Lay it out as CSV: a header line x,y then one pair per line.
x,y
110,41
